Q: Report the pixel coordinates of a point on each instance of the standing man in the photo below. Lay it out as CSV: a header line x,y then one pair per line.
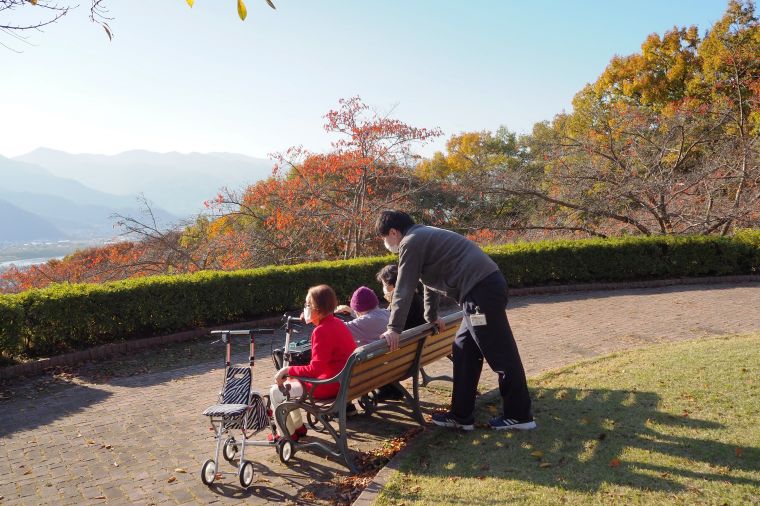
x,y
448,263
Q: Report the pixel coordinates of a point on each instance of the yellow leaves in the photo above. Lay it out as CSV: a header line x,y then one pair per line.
x,y
242,11
180,470
190,3
537,454
33,2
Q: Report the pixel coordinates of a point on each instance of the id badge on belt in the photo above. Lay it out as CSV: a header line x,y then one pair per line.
x,y
478,319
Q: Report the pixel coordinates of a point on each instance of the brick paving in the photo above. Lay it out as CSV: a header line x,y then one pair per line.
x,y
121,441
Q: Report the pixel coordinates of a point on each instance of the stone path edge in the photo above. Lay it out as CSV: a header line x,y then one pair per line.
x,y
37,367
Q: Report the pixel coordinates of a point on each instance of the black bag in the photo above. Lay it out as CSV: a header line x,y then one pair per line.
x,y
300,353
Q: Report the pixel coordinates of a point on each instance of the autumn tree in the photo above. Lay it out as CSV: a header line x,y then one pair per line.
x,y
323,205
664,142
460,190
37,14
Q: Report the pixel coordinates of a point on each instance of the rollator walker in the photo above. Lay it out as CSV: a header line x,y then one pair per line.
x,y
241,408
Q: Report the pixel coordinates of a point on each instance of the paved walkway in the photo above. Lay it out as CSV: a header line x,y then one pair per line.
x,y
131,440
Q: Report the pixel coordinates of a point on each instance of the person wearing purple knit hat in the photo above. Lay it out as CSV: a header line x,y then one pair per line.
x,y
369,320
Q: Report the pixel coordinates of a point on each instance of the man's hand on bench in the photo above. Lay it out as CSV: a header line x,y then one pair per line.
x,y
391,337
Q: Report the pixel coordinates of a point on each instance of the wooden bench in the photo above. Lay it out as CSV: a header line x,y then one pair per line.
x,y
368,368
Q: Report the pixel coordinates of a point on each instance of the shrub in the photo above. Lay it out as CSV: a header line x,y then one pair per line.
x,y
67,317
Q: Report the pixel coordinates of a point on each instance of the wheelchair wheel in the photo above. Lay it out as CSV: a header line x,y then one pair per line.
x,y
285,450
368,403
208,472
230,449
246,474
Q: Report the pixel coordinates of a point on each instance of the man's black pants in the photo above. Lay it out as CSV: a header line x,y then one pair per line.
x,y
494,342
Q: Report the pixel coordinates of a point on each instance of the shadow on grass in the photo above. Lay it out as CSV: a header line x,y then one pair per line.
x,y
587,438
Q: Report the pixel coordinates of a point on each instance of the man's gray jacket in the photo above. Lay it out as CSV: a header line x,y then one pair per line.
x,y
446,263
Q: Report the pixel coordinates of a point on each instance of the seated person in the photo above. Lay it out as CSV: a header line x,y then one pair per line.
x,y
331,345
387,277
369,320
416,317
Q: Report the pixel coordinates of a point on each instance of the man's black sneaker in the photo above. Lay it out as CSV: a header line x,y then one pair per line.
x,y
351,410
501,423
447,420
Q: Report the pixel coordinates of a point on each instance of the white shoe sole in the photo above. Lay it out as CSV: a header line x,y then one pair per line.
x,y
518,426
454,425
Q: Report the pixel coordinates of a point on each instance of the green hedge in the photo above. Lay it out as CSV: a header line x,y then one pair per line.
x,y
68,317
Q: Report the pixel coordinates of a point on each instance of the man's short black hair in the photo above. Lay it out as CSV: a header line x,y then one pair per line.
x,y
393,219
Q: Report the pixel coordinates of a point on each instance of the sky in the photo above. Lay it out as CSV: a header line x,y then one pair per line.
x,y
201,80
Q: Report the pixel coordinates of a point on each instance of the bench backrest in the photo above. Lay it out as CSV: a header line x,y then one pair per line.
x,y
374,366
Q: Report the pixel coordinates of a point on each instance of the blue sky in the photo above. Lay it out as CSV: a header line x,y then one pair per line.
x,y
181,79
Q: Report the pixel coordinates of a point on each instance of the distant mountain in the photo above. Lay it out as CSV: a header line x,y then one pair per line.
x,y
174,181
17,225
16,176
69,208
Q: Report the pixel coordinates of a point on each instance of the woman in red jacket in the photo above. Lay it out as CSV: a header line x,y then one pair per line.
x,y
331,345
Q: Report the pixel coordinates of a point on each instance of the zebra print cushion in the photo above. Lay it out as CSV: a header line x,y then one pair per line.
x,y
232,414
237,386
226,410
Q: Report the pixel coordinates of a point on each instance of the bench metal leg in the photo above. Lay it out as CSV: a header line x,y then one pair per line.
x,y
426,378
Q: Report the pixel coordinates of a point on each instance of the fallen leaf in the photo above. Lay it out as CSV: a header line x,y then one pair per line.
x,y
28,471
585,420
538,454
115,464
739,452
90,442
615,463
79,435
180,470
107,447
100,497
171,479
544,465
32,442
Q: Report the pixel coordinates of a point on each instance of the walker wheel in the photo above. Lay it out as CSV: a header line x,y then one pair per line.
x,y
208,472
246,474
285,450
230,449
368,403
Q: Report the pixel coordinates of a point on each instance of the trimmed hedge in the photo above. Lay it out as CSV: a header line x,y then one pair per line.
x,y
68,317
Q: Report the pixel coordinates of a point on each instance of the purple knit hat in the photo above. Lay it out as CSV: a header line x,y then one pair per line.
x,y
363,299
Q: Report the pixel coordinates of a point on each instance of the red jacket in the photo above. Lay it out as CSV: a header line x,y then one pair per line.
x,y
331,345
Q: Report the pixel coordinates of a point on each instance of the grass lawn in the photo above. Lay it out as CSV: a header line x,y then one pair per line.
x,y
669,424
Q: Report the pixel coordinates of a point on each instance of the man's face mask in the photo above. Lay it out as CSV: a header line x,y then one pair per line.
x,y
393,248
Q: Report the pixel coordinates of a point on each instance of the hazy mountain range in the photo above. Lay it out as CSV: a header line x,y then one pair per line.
x,y
52,195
